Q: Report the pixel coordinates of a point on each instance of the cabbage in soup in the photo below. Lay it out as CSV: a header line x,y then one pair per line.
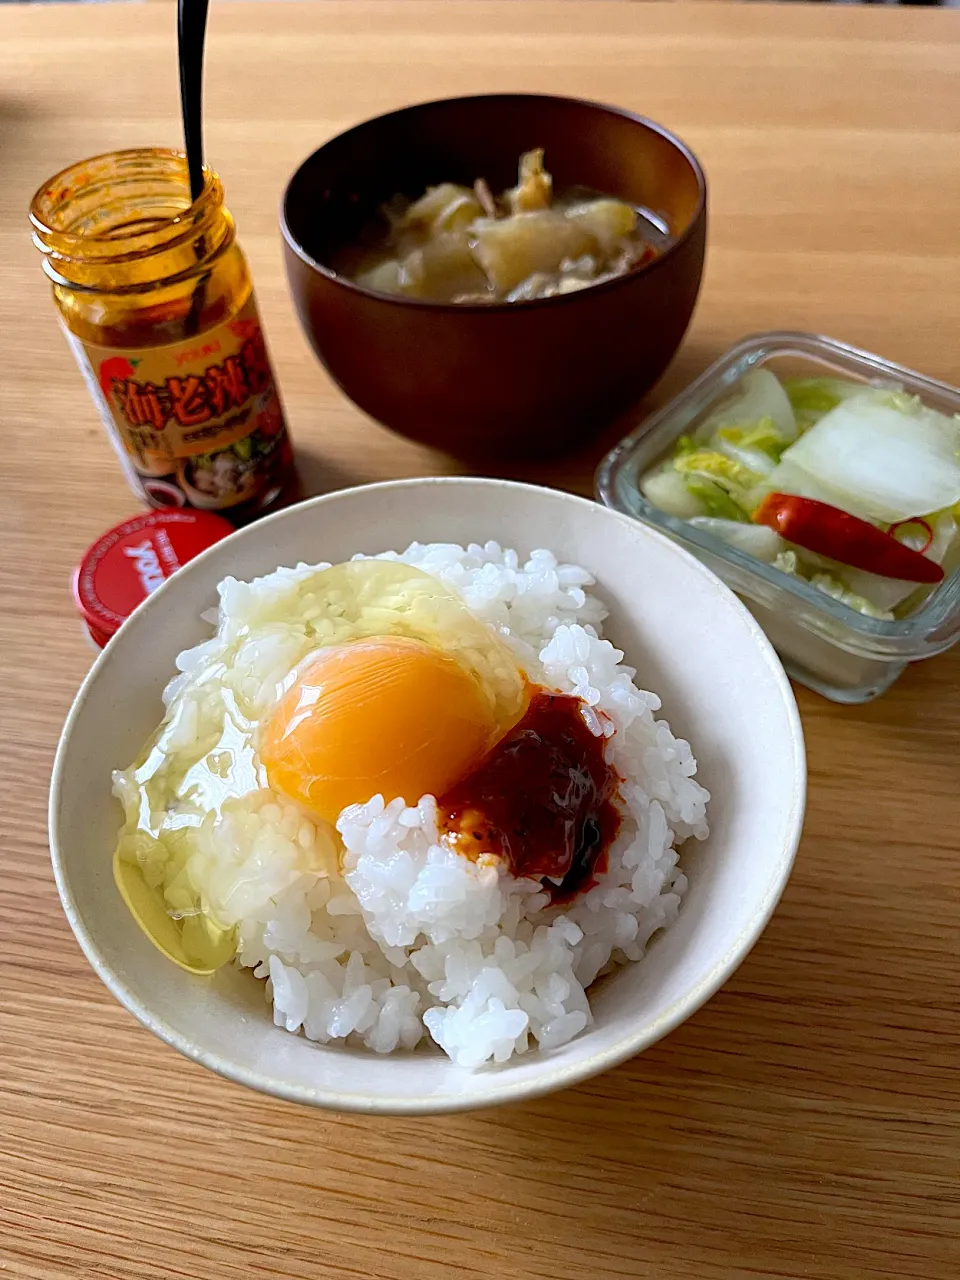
x,y
461,244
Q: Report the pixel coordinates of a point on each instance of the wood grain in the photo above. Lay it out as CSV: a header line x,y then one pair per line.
x,y
806,1123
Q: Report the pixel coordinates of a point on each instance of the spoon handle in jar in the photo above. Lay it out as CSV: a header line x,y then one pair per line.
x,y
191,32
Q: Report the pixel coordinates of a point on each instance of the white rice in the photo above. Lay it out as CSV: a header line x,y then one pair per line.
x,y
414,940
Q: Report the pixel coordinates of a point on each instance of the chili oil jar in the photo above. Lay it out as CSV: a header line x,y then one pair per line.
x,y
157,304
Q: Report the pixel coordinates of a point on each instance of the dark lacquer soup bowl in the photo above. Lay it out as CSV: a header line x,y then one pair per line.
x,y
486,378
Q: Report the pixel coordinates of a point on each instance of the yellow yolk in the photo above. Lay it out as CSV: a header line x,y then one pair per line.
x,y
386,715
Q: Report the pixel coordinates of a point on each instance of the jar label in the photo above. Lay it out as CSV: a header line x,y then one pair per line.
x,y
197,422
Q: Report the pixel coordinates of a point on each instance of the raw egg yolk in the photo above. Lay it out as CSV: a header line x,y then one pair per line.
x,y
388,716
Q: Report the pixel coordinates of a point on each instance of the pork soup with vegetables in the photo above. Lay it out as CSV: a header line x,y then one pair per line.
x,y
461,244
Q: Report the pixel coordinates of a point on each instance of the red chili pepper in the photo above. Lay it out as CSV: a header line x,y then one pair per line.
x,y
828,531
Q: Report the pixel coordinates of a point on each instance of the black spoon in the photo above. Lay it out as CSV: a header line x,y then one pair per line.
x,y
191,32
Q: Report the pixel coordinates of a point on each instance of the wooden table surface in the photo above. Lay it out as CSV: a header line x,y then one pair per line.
x,y
806,1123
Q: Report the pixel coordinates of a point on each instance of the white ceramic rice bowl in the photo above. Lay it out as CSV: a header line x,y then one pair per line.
x,y
693,643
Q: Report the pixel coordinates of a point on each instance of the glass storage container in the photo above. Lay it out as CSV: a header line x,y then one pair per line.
x,y
823,643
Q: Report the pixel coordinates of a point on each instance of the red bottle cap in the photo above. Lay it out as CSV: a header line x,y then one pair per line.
x,y
130,560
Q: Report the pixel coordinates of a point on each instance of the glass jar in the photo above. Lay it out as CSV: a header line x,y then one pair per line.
x,y
822,642
157,304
